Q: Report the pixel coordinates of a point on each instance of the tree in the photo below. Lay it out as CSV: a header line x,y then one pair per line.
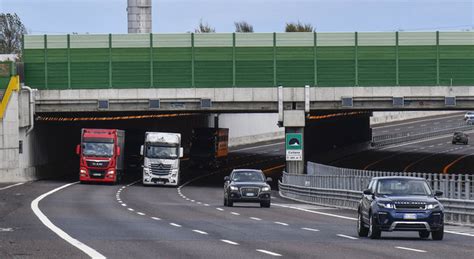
x,y
243,26
298,27
204,28
11,33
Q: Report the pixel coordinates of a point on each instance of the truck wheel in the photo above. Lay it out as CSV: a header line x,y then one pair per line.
x,y
438,235
374,231
362,230
424,234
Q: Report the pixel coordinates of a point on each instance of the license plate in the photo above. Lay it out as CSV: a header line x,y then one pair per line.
x,y
409,216
249,194
97,174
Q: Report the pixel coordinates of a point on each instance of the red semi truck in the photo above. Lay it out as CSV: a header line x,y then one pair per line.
x,y
101,155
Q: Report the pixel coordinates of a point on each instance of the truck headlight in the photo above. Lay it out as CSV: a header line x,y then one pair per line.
x,y
266,189
234,188
386,205
432,206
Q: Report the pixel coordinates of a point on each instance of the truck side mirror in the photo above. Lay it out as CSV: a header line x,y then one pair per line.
x,y
181,152
118,151
78,149
141,150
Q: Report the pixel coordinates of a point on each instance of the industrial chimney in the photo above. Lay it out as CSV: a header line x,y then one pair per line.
x,y
139,16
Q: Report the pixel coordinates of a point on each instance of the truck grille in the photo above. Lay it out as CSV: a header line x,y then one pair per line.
x,y
101,164
160,169
245,191
410,205
97,174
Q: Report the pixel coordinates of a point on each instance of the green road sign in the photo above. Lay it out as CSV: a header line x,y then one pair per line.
x,y
294,141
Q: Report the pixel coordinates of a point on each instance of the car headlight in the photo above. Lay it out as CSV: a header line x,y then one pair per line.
x,y
234,188
266,189
432,206
386,205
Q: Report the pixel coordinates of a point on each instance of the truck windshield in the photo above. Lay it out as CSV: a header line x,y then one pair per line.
x,y
163,152
403,187
97,149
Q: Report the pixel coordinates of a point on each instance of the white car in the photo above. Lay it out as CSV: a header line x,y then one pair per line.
x,y
469,116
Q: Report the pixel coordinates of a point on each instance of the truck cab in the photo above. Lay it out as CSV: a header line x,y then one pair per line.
x,y
101,155
161,158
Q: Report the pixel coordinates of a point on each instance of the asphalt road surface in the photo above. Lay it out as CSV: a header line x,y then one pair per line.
x,y
133,221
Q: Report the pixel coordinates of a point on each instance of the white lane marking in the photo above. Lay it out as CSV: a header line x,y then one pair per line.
x,y
268,252
280,223
254,218
10,186
459,233
175,225
187,199
192,200
200,232
310,229
411,249
130,209
78,244
229,242
123,204
315,212
199,202
423,125
250,148
207,205
155,218
6,229
344,236
219,209
235,213
431,146
141,213
133,183
440,144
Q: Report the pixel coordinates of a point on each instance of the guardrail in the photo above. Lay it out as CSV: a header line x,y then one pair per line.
x,y
390,139
342,188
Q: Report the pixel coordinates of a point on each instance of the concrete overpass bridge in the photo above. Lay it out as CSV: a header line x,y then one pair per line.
x,y
109,75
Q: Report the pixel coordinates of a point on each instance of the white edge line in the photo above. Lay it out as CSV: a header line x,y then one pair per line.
x,y
200,232
76,243
229,242
268,252
344,236
459,233
10,186
315,212
410,249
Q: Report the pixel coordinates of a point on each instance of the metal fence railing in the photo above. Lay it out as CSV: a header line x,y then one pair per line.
x,y
342,187
390,139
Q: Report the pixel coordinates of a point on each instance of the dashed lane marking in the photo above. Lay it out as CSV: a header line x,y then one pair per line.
x,y
411,249
155,218
200,232
281,223
10,186
175,225
268,252
207,205
345,236
254,218
141,213
130,209
315,212
235,213
229,242
123,204
219,209
311,229
76,243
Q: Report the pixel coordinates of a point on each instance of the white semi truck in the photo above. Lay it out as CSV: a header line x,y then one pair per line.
x,y
161,153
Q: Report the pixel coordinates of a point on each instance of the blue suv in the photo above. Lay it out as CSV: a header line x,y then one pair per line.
x,y
400,204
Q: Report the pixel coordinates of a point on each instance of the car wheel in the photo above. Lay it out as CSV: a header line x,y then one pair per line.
x,y
374,231
225,201
438,235
230,203
265,204
453,142
362,230
424,234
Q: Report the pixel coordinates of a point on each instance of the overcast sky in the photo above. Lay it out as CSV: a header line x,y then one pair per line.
x,y
110,16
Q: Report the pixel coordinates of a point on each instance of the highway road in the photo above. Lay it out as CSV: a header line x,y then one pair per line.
x,y
129,220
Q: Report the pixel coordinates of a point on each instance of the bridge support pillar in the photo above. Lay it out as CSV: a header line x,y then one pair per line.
x,y
294,123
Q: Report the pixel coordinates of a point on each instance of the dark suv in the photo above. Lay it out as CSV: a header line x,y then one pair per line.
x,y
400,204
247,185
460,137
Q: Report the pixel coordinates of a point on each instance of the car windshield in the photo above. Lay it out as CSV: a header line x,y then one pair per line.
x,y
403,187
163,152
97,149
248,176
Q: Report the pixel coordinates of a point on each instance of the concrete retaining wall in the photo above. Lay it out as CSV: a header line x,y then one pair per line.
x,y
9,157
384,117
